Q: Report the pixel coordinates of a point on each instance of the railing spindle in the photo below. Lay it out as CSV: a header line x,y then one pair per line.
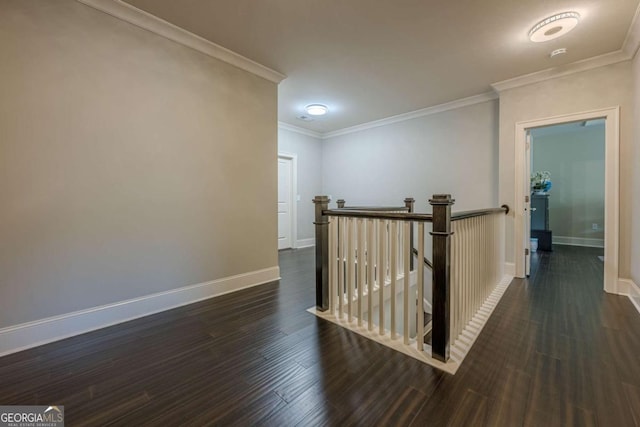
x,y
371,246
361,269
382,270
408,254
394,275
351,268
341,261
420,290
333,264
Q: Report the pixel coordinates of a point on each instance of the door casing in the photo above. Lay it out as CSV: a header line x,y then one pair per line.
x,y
612,186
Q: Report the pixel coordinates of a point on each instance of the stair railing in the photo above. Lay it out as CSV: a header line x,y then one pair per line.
x,y
365,270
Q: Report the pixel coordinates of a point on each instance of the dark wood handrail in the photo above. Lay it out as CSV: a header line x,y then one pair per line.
x,y
455,216
426,261
375,208
383,213
402,216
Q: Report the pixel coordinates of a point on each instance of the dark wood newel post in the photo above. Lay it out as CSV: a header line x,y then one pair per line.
x,y
441,274
322,253
409,202
340,203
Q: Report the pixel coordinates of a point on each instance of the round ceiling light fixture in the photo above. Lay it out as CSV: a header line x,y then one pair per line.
x,y
554,26
316,109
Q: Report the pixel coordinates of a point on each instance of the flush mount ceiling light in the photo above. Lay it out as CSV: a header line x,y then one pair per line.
x,y
317,109
554,27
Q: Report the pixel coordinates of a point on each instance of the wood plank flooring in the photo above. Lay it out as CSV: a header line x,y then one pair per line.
x,y
557,351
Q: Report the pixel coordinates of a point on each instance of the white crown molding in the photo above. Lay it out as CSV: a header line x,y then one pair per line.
x,y
27,335
149,22
632,41
459,103
627,52
296,129
564,70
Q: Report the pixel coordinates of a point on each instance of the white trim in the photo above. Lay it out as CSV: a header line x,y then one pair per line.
x,y
578,241
459,103
294,195
39,332
149,22
459,348
302,131
563,70
305,243
510,269
612,185
632,40
631,290
628,287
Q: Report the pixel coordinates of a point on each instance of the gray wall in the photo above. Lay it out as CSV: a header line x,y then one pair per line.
x,y
309,153
575,158
602,87
129,164
439,153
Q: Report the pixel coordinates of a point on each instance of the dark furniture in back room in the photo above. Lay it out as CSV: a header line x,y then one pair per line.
x,y
540,221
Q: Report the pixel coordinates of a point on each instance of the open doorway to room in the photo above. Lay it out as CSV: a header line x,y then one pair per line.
x,y
567,200
522,207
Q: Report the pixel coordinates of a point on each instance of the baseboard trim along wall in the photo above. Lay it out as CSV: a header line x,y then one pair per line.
x,y
629,288
39,332
578,241
510,269
305,243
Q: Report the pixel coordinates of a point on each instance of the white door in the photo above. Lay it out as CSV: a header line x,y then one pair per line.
x,y
527,206
285,200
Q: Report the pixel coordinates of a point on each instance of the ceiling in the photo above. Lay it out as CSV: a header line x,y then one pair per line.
x,y
368,60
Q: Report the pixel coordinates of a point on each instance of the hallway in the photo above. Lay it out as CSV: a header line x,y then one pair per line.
x,y
557,351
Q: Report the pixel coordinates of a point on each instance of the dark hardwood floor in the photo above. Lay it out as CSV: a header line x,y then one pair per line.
x,y
557,351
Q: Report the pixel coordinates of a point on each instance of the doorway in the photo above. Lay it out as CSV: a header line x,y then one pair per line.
x,y
522,212
567,171
286,204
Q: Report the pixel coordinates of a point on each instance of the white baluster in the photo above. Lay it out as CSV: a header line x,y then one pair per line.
x,y
394,275
361,269
382,271
351,267
453,289
333,263
341,260
371,247
407,273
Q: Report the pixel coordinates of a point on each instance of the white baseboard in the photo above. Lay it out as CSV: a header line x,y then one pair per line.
x,y
629,288
460,346
305,243
39,332
578,241
510,269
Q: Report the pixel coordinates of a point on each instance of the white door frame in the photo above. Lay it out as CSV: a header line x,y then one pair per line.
x,y
611,192
294,195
